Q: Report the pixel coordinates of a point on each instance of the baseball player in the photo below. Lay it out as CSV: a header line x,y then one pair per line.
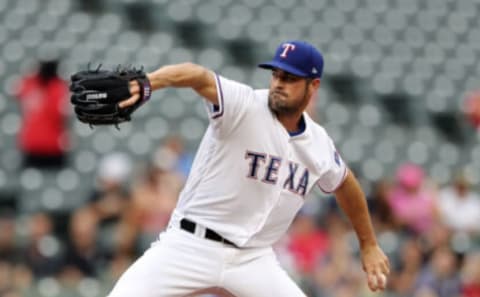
x,y
259,158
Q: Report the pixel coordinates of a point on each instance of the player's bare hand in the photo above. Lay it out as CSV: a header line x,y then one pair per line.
x,y
135,91
377,267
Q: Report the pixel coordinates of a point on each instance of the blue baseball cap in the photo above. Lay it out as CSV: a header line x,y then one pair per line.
x,y
298,58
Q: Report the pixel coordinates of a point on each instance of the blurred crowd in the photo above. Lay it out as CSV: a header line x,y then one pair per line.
x,y
431,234
83,252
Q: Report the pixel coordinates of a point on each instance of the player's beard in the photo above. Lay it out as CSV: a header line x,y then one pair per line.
x,y
280,105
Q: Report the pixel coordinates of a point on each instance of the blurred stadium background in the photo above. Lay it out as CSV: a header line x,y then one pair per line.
x,y
397,78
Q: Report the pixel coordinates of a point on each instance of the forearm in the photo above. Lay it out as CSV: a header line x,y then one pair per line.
x,y
186,75
351,199
179,75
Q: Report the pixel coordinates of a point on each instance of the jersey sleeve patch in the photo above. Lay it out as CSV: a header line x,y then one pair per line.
x,y
335,170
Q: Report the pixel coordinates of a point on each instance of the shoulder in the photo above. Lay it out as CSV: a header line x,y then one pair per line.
x,y
233,89
261,95
318,131
227,83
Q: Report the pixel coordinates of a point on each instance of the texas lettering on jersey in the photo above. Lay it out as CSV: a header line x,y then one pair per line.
x,y
271,165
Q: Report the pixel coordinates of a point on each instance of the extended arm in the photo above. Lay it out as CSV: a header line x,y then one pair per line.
x,y
186,75
351,199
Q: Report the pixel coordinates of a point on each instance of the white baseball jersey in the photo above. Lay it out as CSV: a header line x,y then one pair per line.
x,y
250,176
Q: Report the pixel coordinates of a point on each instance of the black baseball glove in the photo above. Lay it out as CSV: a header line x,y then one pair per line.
x,y
96,94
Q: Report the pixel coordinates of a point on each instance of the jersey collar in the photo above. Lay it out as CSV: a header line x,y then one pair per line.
x,y
301,129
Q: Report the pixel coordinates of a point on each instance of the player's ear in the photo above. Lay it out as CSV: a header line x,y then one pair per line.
x,y
315,83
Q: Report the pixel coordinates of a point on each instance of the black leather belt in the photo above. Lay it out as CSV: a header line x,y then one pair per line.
x,y
190,226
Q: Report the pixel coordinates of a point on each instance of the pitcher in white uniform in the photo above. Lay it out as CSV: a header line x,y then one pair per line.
x,y
259,158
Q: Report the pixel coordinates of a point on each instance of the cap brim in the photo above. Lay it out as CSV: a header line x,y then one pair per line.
x,y
282,66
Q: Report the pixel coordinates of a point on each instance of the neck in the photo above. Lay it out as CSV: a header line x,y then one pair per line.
x,y
290,122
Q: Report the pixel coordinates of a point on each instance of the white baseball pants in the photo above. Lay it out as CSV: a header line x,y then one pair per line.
x,y
182,264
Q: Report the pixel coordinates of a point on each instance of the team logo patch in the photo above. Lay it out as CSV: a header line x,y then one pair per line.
x,y
286,48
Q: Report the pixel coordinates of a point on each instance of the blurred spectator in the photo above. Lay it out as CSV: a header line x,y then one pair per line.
x,y
307,243
43,251
441,275
8,249
459,206
154,196
109,198
472,108
119,263
382,214
43,137
5,277
438,236
338,273
172,156
82,255
425,292
22,279
405,272
412,201
471,276
15,280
